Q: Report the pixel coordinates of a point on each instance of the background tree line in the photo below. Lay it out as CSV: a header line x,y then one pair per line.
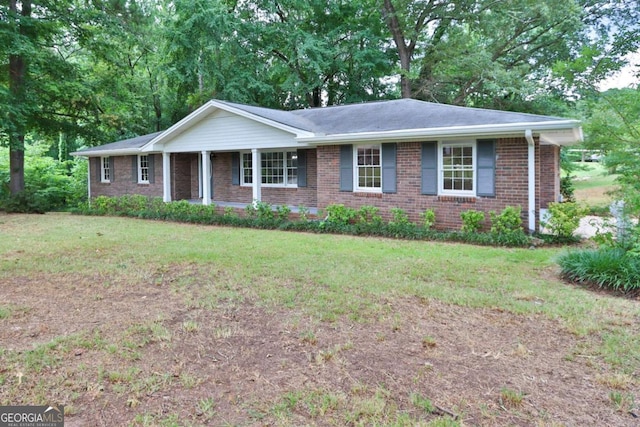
x,y
85,72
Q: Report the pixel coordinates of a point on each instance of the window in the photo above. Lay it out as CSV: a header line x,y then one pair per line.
x,y
143,169
457,168
278,168
368,168
105,166
247,168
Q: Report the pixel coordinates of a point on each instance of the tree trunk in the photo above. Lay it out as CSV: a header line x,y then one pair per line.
x,y
17,72
16,165
404,51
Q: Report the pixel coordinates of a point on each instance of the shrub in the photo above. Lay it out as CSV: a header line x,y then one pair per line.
x,y
567,188
399,217
262,216
368,215
564,218
508,221
303,213
340,214
611,268
471,220
283,212
428,218
262,213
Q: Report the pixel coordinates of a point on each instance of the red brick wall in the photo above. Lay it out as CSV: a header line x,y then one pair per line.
x,y
181,172
323,183
511,185
550,169
123,182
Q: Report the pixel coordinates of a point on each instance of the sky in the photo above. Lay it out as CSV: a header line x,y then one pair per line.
x,y
626,77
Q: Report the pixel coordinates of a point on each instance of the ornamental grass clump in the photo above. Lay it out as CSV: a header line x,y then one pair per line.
x,y
612,268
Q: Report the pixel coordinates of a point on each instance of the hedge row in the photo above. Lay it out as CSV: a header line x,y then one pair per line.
x,y
264,217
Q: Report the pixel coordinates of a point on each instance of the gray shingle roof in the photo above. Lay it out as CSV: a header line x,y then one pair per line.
x,y
369,117
125,144
379,116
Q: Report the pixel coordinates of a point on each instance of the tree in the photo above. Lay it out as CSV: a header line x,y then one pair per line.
x,y
318,52
613,127
509,54
40,83
420,25
501,54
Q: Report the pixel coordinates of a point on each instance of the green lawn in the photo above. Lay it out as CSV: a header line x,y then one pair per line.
x,y
592,184
147,309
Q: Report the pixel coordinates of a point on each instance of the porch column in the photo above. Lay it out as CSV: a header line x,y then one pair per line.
x,y
206,167
166,176
257,178
531,179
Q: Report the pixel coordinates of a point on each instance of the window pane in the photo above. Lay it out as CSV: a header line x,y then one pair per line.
x,y
457,167
369,170
247,168
144,168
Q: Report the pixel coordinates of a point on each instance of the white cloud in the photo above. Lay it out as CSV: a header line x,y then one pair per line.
x,y
627,77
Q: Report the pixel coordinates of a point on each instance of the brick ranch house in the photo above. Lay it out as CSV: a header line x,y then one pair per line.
x,y
405,153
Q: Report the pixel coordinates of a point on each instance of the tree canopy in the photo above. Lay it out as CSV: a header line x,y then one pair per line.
x,y
93,71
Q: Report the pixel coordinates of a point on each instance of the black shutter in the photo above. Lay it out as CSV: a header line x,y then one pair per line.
x,y
235,168
486,168
134,168
98,165
302,168
112,169
152,170
346,168
430,168
388,158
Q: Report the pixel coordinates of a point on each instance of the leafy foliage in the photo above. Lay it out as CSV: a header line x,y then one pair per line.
x,y
472,220
49,184
506,222
428,218
564,218
340,214
341,220
399,216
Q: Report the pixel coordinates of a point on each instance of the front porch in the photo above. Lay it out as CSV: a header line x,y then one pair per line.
x,y
231,179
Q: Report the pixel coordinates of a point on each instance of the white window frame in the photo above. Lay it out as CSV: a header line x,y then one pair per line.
x,y
474,167
141,168
244,169
356,169
247,181
105,171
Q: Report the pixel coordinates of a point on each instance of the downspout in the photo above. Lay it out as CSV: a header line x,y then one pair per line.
x,y
528,134
89,181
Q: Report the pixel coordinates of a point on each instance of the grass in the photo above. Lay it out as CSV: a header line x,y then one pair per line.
x,y
592,185
325,278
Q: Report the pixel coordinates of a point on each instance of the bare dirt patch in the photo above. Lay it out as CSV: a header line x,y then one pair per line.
x,y
155,356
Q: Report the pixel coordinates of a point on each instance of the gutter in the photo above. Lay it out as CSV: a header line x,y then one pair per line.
x,y
107,153
528,135
509,129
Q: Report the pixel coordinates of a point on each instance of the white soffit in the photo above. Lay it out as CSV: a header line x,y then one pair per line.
x,y
562,137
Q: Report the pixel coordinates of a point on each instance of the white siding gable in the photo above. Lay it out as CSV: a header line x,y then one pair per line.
x,y
224,131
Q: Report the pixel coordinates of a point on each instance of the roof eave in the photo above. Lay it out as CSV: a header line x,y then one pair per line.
x,y
408,135
106,153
